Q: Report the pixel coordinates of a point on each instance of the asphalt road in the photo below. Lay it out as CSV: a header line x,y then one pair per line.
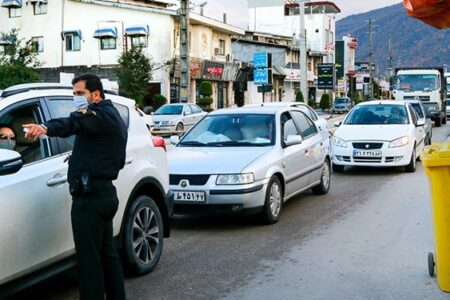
x,y
367,239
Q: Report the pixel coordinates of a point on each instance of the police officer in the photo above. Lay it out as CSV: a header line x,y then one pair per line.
x,y
97,157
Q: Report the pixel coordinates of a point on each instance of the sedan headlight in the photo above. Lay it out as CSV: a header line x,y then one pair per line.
x,y
339,142
235,179
399,142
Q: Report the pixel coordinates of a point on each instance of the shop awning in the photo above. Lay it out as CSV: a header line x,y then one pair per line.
x,y
106,33
74,32
143,30
433,12
12,3
4,42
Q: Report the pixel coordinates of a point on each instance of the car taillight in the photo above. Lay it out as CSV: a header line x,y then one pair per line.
x,y
159,142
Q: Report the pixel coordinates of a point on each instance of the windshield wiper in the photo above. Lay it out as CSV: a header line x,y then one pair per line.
x,y
235,143
192,143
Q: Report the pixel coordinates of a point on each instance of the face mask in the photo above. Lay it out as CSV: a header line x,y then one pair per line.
x,y
80,102
7,145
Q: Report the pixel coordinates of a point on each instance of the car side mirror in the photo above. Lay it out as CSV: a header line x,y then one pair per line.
x,y
10,162
152,113
338,124
174,139
293,140
420,123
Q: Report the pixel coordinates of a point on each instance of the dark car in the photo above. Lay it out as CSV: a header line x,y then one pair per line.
x,y
434,112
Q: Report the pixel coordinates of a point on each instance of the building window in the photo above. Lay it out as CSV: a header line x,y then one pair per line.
x,y
40,8
15,12
221,47
38,44
108,43
73,42
138,41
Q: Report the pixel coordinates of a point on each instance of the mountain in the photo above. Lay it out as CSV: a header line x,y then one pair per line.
x,y
413,43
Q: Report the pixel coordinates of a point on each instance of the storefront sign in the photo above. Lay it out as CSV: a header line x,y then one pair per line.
x,y
326,77
213,70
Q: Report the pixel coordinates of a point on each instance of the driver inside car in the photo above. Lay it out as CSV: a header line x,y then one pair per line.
x,y
7,138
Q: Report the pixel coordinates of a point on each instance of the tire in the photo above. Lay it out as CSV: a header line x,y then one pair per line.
x,y
338,168
325,180
431,264
444,120
180,127
274,202
143,217
411,168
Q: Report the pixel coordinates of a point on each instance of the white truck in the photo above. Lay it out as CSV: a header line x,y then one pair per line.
x,y
424,84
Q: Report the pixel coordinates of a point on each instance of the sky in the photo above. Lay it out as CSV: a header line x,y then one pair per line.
x,y
237,9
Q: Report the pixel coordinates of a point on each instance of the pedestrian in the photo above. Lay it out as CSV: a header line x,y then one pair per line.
x,y
97,157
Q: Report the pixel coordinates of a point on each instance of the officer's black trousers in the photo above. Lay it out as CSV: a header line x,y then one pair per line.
x,y
98,260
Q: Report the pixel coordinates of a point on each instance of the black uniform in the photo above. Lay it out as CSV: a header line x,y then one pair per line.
x,y
98,155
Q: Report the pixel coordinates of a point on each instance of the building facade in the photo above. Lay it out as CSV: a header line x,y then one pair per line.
x,y
75,36
211,59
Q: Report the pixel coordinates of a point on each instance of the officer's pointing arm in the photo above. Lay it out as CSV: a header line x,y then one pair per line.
x,y
80,122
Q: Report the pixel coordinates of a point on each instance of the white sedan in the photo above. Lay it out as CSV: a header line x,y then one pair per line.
x,y
177,117
379,134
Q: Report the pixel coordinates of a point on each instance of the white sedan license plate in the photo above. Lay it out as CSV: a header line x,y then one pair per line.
x,y
189,196
367,153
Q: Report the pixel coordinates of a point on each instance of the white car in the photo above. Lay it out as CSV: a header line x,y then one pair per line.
x,y
177,117
248,160
35,229
320,122
379,134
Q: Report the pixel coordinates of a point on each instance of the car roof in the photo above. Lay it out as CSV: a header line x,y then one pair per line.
x,y
276,104
262,110
22,88
4,102
383,102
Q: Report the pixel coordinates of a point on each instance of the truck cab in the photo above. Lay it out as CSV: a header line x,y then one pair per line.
x,y
424,84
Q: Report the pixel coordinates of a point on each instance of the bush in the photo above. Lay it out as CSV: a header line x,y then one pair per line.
x,y
17,74
299,97
158,101
206,89
325,101
205,102
312,103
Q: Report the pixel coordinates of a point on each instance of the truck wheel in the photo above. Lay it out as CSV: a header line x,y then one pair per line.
x,y
444,120
438,122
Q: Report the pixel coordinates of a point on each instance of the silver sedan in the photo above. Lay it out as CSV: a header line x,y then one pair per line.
x,y
248,160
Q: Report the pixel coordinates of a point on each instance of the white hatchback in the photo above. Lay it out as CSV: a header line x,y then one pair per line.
x,y
35,202
379,134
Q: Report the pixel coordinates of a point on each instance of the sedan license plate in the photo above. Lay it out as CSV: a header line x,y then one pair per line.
x,y
367,153
188,196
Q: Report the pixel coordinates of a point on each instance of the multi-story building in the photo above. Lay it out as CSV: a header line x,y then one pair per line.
x,y
282,17
211,59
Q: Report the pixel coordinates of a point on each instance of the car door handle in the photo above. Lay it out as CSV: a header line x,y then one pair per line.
x,y
129,160
57,180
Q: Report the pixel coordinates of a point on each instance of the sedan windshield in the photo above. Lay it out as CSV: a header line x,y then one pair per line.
x,y
252,130
170,110
383,114
431,107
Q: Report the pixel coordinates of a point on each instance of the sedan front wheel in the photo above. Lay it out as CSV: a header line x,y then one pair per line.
x,y
274,201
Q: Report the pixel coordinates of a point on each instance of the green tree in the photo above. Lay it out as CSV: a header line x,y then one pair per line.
x,y
299,97
312,103
158,101
134,74
19,61
205,91
325,101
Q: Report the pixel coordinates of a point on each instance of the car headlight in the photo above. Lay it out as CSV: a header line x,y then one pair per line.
x,y
234,179
339,142
399,142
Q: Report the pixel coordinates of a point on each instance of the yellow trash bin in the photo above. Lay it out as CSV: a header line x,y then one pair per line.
x,y
436,160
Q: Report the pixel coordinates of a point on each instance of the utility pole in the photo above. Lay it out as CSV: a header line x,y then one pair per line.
x,y
303,56
370,60
389,68
184,52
